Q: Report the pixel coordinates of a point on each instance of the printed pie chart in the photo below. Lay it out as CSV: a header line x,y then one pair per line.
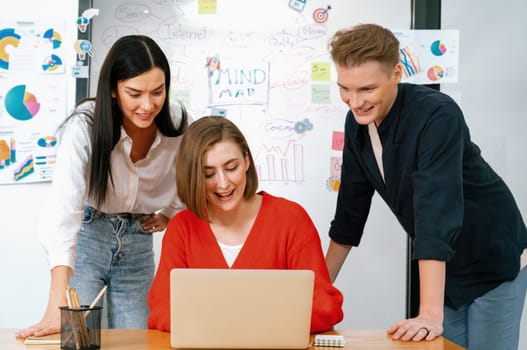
x,y
435,73
438,48
8,37
21,104
54,38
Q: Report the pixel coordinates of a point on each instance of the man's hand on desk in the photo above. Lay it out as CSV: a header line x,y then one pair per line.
x,y
416,329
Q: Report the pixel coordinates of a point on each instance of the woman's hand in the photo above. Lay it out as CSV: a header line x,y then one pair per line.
x,y
155,223
50,322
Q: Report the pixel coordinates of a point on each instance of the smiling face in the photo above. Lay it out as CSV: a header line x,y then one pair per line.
x,y
225,168
141,98
369,90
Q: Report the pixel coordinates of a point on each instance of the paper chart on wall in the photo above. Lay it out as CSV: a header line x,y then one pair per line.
x,y
32,99
429,56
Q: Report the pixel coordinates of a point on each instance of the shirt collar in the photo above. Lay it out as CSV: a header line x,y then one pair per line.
x,y
126,138
394,113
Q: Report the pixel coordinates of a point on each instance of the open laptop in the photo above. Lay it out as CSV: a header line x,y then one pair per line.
x,y
240,309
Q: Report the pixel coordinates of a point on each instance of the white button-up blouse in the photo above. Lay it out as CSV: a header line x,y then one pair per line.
x,y
144,187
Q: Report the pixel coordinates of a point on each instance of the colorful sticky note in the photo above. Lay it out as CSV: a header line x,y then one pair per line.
x,y
335,166
337,141
207,7
320,71
320,94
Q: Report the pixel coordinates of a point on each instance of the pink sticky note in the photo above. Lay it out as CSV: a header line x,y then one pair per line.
x,y
337,142
335,166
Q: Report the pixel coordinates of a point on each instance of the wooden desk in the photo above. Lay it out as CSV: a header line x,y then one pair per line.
x,y
131,339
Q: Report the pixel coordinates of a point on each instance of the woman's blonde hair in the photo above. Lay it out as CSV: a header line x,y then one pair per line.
x,y
190,176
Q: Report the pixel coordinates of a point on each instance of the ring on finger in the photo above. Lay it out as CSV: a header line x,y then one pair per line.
x,y
426,329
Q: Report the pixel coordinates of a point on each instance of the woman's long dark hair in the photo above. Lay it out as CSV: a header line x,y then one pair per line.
x,y
129,57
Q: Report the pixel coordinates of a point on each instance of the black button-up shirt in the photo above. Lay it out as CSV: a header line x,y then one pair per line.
x,y
444,194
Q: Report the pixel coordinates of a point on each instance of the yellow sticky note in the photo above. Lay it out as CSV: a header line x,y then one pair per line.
x,y
207,7
320,71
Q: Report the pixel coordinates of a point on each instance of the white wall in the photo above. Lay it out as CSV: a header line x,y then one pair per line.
x,y
491,88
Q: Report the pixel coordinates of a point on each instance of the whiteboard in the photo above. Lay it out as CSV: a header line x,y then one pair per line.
x,y
265,66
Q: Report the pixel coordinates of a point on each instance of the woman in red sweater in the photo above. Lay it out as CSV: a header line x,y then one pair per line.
x,y
227,224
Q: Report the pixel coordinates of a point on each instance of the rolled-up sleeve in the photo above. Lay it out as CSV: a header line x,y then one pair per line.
x,y
438,186
354,197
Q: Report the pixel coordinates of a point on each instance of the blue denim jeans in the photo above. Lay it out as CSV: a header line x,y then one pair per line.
x,y
114,250
490,322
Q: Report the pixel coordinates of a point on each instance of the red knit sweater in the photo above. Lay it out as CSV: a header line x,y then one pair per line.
x,y
282,237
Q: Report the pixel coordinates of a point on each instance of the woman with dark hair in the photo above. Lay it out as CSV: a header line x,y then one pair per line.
x,y
113,186
228,224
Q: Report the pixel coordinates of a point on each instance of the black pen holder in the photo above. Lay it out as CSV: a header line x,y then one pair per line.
x,y
80,329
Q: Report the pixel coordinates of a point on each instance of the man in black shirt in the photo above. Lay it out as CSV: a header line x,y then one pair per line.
x,y
411,144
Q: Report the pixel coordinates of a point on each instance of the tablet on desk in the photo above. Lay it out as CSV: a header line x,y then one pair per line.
x,y
240,309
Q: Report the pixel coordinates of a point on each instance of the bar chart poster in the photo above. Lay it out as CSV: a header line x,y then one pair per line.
x,y
32,95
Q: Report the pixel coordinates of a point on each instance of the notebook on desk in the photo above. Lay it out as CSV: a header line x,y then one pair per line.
x,y
240,309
